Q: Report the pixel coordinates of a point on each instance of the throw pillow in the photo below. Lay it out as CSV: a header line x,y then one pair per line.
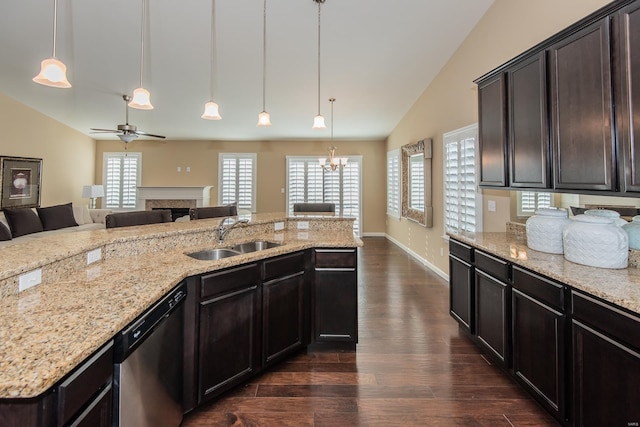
x,y
86,215
22,221
5,234
56,217
78,215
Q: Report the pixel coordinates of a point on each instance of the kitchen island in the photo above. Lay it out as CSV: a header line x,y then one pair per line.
x,y
48,330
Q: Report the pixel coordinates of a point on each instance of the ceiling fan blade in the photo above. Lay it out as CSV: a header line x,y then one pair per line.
x,y
103,130
140,132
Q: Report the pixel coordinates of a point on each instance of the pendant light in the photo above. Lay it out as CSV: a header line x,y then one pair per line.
x,y
211,107
318,120
141,97
264,119
52,71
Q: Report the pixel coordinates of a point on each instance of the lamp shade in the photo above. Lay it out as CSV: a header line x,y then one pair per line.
x,y
52,73
211,111
318,122
141,99
264,119
92,191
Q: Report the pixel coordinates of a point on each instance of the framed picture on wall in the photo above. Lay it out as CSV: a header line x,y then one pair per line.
x,y
21,180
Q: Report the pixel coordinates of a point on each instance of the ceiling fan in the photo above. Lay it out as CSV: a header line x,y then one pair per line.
x,y
126,132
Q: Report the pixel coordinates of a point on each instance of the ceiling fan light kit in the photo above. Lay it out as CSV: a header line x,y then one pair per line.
x,y
52,71
126,132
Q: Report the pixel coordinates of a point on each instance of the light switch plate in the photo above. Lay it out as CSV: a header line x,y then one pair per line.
x,y
94,255
491,205
30,279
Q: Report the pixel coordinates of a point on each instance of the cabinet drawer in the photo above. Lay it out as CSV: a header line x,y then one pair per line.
x,y
607,318
84,383
461,251
338,258
540,288
223,281
494,266
284,265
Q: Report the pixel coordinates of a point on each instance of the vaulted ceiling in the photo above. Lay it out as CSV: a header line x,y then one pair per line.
x,y
377,57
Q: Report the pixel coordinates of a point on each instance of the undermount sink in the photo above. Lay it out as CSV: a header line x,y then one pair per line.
x,y
235,250
258,245
213,254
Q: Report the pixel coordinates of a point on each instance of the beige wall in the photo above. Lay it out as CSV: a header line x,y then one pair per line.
x,y
160,160
67,155
450,102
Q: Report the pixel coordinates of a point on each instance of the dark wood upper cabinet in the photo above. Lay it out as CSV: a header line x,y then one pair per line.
x,y
582,110
528,125
628,74
492,131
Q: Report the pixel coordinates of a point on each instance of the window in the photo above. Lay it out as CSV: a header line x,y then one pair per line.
x,y
121,176
529,201
393,183
416,182
237,180
308,183
462,203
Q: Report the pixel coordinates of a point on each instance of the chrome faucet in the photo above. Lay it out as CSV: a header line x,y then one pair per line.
x,y
223,228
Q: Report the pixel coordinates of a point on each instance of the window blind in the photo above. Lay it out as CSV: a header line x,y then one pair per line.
x,y
121,177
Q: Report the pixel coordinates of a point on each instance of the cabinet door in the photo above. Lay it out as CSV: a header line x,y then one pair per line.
x,y
335,303
581,110
528,128
227,341
98,413
283,316
491,316
538,350
606,372
628,96
461,292
493,132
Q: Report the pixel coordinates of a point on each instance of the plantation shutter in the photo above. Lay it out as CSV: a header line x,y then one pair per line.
x,y
121,177
529,201
393,183
237,180
461,198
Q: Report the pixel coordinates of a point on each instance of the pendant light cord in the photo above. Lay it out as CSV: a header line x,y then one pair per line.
x,y
332,100
144,12
55,26
213,21
264,54
319,3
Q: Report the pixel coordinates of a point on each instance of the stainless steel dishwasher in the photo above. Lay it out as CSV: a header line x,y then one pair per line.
x,y
148,366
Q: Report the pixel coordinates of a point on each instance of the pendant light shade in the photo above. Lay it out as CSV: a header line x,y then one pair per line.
x,y
211,108
52,71
318,122
264,119
141,97
211,111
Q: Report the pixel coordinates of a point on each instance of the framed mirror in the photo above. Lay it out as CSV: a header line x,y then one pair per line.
x,y
416,182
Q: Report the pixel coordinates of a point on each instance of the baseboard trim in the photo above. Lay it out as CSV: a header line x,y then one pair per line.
x,y
418,258
374,234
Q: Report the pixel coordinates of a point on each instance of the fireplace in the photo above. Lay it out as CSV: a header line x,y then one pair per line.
x,y
177,199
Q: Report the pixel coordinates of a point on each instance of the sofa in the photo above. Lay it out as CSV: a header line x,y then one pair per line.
x,y
27,224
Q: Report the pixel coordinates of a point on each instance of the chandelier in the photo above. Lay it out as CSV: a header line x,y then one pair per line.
x,y
334,162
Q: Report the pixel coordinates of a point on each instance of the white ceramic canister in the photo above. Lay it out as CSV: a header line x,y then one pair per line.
x,y
596,241
606,213
544,229
633,232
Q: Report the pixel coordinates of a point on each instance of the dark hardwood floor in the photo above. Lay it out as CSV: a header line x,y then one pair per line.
x,y
412,366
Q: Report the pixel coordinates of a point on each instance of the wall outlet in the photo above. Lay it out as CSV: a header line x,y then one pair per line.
x,y
441,251
179,169
94,255
303,225
279,226
30,279
491,205
188,168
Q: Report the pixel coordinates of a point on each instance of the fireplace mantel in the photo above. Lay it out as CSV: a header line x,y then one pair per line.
x,y
201,195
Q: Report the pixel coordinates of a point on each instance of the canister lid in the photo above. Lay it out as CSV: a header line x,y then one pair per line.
x,y
555,212
594,219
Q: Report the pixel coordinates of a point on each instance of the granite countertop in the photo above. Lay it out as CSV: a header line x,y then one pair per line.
x,y
48,330
618,286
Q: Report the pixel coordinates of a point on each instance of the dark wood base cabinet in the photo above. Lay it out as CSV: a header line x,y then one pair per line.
x,y
461,280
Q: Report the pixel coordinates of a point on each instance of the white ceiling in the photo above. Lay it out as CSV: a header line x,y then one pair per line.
x,y
378,56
